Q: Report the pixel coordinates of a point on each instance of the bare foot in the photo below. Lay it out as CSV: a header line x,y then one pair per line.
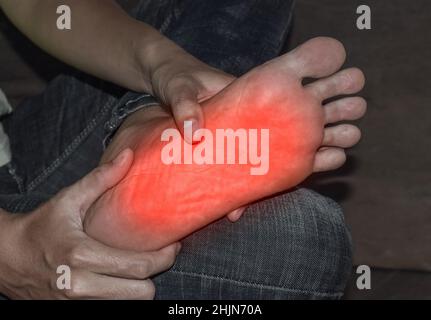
x,y
157,204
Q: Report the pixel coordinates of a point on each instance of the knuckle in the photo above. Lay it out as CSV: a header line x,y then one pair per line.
x,y
185,105
146,267
181,80
78,255
99,173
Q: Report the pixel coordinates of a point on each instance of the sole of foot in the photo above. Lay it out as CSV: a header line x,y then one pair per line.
x,y
157,204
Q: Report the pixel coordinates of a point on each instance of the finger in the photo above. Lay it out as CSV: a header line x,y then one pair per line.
x,y
88,285
342,136
88,189
99,258
186,110
235,215
345,109
329,159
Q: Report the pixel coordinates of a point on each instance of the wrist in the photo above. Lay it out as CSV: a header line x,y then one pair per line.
x,y
156,54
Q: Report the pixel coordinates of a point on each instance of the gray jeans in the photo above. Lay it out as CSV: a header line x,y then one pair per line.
x,y
293,246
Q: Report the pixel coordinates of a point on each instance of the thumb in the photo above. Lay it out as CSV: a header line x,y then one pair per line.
x,y
87,190
235,215
187,111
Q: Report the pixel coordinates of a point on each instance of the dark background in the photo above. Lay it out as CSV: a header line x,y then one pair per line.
x,y
385,188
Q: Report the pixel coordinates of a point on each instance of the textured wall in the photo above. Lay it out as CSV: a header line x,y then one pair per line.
x,y
385,188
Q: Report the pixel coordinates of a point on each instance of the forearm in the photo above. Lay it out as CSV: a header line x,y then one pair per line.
x,y
103,41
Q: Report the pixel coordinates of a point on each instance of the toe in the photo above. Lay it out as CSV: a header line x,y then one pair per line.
x,y
347,81
329,159
342,136
316,58
346,109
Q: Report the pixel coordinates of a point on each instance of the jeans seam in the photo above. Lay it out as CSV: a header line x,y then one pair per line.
x,y
124,110
21,205
18,180
259,285
70,148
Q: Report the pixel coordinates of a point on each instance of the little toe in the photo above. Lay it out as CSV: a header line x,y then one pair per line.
x,y
346,109
329,159
342,136
347,81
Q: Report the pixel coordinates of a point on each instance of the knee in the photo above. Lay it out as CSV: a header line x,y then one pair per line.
x,y
294,246
313,240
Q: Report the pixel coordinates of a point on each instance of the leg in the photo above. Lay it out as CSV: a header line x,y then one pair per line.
x,y
269,97
56,137
294,246
293,272
231,35
232,61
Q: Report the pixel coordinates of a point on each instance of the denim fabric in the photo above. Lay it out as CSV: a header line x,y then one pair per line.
x,y
5,154
293,246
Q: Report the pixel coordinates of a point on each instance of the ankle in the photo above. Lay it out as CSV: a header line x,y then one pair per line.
x,y
144,116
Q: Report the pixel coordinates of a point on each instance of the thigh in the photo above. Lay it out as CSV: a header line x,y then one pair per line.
x,y
231,35
293,246
57,135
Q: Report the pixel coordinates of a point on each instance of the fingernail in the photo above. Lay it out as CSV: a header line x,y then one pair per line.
x,y
178,248
196,127
118,161
190,127
238,213
188,131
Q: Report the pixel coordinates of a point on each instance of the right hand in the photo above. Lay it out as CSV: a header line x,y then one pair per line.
x,y
33,246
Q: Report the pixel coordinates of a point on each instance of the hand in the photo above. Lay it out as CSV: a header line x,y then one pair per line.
x,y
182,83
33,246
235,215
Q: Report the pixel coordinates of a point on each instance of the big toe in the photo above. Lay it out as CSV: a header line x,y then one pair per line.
x,y
316,58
